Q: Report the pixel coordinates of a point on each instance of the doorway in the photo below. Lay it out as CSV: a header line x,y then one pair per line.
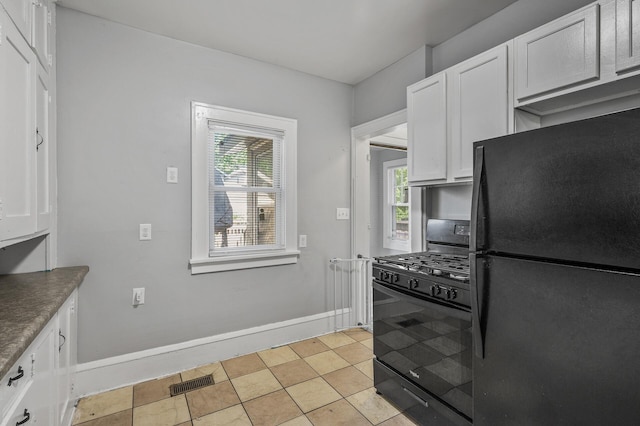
x,y
386,133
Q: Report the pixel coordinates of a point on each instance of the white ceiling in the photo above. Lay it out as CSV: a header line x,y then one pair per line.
x,y
342,40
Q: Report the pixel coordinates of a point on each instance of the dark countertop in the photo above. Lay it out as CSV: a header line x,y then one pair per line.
x,y
27,303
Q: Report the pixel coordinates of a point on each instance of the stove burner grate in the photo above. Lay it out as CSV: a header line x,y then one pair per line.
x,y
453,266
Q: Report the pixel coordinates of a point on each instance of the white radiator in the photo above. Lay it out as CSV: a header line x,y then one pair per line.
x,y
352,295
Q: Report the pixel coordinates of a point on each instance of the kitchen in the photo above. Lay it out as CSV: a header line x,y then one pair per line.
x,y
118,109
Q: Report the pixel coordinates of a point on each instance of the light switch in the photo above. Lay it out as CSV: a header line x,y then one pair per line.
x,y
172,175
342,213
302,241
145,231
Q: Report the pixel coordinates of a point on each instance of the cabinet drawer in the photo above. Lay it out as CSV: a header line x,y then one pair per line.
x,y
20,377
561,53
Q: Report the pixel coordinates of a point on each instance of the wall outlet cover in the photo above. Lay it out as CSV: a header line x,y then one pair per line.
x,y
342,213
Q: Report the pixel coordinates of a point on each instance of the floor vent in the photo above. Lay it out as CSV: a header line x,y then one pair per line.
x,y
190,385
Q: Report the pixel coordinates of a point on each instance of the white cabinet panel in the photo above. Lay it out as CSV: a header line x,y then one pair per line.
x,y
41,31
561,53
43,150
627,35
479,106
17,142
427,129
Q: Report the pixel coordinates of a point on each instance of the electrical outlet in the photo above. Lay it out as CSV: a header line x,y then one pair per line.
x,y
172,175
145,231
138,296
342,213
302,241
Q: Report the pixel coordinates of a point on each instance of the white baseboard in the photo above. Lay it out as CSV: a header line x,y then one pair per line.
x,y
123,370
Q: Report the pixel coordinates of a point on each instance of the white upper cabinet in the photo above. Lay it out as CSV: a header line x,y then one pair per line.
x,y
20,12
627,35
427,130
561,53
479,106
17,141
449,111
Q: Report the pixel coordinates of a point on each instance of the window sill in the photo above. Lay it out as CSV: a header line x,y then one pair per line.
x,y
246,261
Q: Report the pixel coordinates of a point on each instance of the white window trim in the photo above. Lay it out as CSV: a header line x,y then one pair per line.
x,y
387,241
200,261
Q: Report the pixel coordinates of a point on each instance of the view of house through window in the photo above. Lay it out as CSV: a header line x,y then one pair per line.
x,y
396,214
245,192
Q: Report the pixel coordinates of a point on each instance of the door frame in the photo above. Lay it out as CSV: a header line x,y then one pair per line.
x,y
360,205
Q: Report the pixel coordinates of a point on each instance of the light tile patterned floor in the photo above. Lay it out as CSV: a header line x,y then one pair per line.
x,y
324,381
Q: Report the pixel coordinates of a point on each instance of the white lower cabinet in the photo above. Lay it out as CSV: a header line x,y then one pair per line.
x,y
449,111
67,357
37,389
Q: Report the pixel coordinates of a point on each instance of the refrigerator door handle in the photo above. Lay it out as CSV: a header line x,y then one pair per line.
x,y
478,338
476,240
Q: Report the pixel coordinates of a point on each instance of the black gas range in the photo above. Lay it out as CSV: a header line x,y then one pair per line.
x,y
422,327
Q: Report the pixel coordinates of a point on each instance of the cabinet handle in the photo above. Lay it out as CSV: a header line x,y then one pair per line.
x,y
41,139
64,340
26,415
19,376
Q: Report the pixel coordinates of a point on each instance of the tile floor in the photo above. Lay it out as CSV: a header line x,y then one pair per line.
x,y
326,380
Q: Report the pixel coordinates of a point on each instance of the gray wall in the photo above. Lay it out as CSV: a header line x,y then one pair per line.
x,y
124,116
378,157
386,91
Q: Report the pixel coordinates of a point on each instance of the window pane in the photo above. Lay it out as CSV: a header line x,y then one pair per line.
x,y
244,160
400,223
401,185
248,220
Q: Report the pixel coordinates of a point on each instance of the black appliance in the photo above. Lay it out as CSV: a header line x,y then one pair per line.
x,y
555,275
422,327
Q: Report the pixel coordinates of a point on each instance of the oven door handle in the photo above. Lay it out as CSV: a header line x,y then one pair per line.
x,y
449,311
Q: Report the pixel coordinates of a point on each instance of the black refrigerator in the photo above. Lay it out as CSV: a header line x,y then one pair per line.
x,y
555,275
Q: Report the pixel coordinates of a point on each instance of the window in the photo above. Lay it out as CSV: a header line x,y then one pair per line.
x,y
243,189
396,207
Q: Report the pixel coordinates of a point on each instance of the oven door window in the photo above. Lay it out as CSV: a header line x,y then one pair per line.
x,y
428,344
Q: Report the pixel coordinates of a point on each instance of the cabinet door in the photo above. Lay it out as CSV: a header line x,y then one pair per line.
x,y
627,35
479,106
20,13
427,129
43,149
41,31
67,347
17,141
561,53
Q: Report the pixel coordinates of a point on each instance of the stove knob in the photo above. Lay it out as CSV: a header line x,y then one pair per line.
x,y
413,283
435,290
454,294
447,294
